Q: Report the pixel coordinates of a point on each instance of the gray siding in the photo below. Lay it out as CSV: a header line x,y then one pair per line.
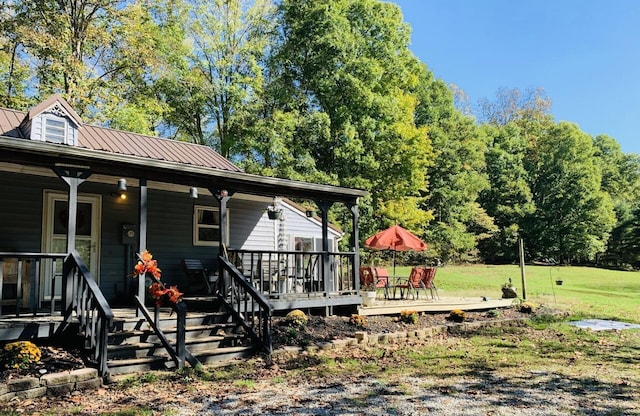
x,y
170,228
250,228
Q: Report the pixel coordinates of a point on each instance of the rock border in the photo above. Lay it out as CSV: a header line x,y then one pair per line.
x,y
365,339
53,384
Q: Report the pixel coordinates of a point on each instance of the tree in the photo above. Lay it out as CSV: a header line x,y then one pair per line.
x,y
508,200
573,216
457,175
512,105
100,55
347,62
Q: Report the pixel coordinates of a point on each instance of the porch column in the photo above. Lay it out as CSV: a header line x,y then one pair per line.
x,y
142,236
222,196
73,177
324,207
355,243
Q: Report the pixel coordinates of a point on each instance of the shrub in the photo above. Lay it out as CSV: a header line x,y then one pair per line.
x,y
20,354
358,321
457,315
296,318
527,307
409,317
494,313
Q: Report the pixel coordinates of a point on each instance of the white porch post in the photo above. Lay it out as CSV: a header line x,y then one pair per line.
x,y
142,235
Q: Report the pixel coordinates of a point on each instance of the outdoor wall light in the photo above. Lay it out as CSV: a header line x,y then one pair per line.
x,y
122,185
119,195
193,192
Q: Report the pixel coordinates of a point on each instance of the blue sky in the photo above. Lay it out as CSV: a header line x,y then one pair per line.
x,y
584,53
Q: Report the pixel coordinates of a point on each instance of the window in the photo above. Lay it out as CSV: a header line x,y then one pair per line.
x,y
206,226
55,130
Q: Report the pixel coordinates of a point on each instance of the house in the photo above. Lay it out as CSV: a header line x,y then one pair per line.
x,y
79,201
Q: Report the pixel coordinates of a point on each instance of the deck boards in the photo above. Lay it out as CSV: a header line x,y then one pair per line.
x,y
445,304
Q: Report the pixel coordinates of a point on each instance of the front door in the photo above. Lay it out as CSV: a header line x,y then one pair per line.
x,y
55,223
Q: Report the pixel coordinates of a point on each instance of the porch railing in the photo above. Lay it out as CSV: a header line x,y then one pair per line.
x,y
248,306
282,273
21,274
82,300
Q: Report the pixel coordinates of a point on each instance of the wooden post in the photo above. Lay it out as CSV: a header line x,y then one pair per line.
x,y
142,242
522,272
355,243
326,261
181,325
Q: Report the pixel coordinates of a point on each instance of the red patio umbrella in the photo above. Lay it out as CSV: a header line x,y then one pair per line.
x,y
395,238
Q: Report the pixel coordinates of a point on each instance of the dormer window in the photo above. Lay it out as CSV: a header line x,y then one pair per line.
x,y
52,121
55,129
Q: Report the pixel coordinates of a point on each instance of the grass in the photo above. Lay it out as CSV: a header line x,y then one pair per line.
x,y
586,291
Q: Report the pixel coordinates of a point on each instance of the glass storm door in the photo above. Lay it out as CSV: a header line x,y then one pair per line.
x,y
55,236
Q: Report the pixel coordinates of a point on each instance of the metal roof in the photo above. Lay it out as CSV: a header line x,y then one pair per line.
x,y
116,152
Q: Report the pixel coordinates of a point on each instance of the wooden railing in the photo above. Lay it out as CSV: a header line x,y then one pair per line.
x,y
23,278
248,307
280,273
83,301
179,354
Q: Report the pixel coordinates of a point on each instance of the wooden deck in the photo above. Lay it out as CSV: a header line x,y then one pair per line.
x,y
444,304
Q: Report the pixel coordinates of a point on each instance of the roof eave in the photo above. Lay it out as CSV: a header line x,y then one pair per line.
x,y
173,172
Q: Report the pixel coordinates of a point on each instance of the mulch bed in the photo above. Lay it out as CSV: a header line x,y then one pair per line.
x,y
324,329
53,360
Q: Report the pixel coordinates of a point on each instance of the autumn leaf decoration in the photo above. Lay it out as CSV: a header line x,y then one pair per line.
x,y
158,291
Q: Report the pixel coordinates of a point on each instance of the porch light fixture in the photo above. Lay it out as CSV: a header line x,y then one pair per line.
x,y
122,185
193,192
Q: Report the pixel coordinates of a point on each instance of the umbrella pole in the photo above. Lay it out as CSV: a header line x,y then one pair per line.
x,y
394,264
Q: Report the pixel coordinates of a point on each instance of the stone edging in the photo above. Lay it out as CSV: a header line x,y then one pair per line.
x,y
364,338
53,384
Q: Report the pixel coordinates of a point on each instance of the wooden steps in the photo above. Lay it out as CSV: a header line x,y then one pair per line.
x,y
210,337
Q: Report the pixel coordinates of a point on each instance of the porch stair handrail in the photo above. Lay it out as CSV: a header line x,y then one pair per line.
x,y
83,300
180,354
247,305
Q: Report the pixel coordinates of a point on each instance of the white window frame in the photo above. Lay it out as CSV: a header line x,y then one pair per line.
x,y
197,226
47,135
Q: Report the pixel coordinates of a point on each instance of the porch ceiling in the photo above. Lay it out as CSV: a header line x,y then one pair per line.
x,y
49,155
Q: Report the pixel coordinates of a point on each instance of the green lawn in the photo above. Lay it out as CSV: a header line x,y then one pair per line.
x,y
587,291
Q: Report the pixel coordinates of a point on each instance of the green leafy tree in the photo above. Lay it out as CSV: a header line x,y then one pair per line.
x,y
100,55
573,216
457,175
347,64
217,97
509,199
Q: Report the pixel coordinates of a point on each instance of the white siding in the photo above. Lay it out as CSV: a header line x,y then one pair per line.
x,y
251,229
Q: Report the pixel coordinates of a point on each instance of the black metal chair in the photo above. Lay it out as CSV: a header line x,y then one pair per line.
x,y
198,276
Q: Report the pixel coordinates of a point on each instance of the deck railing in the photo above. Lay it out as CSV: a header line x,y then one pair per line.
x,y
289,273
248,306
21,275
83,301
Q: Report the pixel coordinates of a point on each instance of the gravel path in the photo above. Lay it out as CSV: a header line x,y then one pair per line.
x,y
413,396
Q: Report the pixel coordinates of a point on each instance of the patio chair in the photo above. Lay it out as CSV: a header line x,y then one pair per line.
x,y
198,276
367,278
427,280
382,280
414,283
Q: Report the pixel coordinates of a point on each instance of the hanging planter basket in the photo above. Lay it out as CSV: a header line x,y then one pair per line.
x,y
274,214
